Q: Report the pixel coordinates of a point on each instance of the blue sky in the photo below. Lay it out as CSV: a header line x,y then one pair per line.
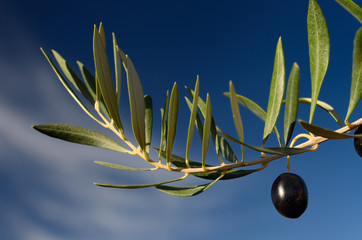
x,y
47,189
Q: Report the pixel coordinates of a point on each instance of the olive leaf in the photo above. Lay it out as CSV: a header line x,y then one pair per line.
x,y
118,69
121,167
236,116
66,85
104,76
325,106
352,8
319,131
206,132
319,50
72,77
193,115
80,135
283,151
164,125
172,121
137,185
291,106
91,85
88,79
186,191
255,109
276,94
148,122
136,101
356,84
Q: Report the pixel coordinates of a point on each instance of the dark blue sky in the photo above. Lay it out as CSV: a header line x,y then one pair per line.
x,y
47,185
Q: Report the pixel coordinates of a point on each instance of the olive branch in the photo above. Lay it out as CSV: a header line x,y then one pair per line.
x,y
104,97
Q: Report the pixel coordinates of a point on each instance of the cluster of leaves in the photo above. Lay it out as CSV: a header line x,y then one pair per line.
x,y
104,96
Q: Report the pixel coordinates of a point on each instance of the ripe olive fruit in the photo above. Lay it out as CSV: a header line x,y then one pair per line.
x,y
289,195
358,141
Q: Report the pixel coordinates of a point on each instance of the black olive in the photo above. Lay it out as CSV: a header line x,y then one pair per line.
x,y
358,141
289,195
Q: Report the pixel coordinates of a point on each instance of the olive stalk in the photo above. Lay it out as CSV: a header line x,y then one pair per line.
x,y
313,141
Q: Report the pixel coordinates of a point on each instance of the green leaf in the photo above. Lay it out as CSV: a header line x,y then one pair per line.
x,y
221,145
283,151
255,109
277,88
118,69
91,85
137,103
121,167
182,191
72,77
206,132
138,185
164,124
236,116
326,107
319,131
66,85
319,50
291,106
103,73
352,8
102,34
356,85
186,191
172,121
148,121
210,175
193,115
80,135
88,79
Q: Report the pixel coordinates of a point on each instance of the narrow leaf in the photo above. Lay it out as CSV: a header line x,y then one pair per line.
x,y
66,85
186,191
72,77
206,132
172,121
102,34
319,50
325,106
105,78
255,109
138,185
88,79
193,115
352,8
164,112
236,116
291,106
283,151
356,84
80,135
137,103
319,131
182,191
121,167
148,122
118,68
276,94
91,85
